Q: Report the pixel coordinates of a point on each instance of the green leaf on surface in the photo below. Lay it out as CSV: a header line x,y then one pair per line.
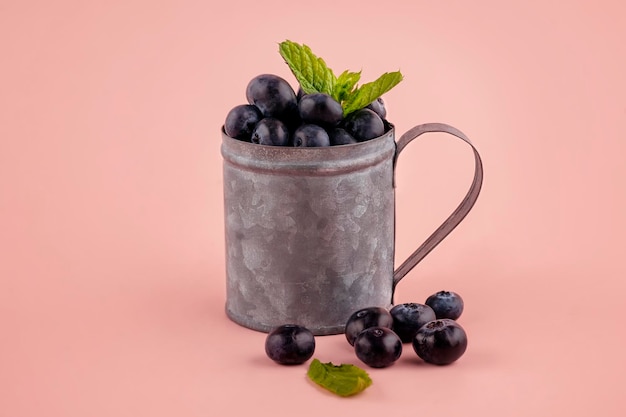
x,y
344,380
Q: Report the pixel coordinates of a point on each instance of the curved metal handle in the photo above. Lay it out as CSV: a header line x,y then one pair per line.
x,y
457,215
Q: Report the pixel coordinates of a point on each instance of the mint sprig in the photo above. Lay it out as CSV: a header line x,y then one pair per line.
x,y
311,71
315,76
344,380
369,92
345,84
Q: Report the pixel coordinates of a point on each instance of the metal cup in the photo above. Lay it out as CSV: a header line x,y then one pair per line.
x,y
310,232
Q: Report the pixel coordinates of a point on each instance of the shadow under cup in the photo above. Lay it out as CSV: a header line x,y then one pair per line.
x,y
310,232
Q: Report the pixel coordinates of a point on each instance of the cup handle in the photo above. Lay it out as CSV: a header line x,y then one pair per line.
x,y
457,215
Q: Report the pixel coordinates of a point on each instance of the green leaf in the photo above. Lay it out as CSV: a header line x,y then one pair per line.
x,y
344,380
314,76
311,71
345,84
369,92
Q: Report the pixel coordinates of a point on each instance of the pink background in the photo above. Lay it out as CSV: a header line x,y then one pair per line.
x,y
111,231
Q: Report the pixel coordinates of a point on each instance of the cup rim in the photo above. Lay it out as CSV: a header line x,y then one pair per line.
x,y
326,160
389,130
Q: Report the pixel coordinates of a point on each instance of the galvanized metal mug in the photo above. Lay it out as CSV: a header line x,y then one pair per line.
x,y
310,233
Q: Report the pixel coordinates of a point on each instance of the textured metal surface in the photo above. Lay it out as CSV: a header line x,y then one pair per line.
x,y
309,232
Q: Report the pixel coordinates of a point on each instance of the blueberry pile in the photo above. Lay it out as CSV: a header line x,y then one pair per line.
x,y
378,334
275,115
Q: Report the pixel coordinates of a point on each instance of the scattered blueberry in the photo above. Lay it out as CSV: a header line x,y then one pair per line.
x,y
365,318
440,342
290,344
446,304
408,318
378,347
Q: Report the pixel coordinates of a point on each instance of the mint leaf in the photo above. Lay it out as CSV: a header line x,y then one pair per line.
x,y
311,71
345,84
314,76
369,92
344,380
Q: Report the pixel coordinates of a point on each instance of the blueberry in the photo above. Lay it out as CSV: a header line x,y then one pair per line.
x,y
364,125
365,318
320,109
339,136
310,135
378,106
408,318
290,344
378,347
446,304
440,342
241,120
273,96
270,131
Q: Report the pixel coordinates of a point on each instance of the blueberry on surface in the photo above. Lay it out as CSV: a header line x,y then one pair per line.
x,y
440,342
310,135
290,344
446,304
365,318
408,318
270,131
378,347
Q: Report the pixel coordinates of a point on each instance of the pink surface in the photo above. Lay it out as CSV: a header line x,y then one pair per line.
x,y
111,230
